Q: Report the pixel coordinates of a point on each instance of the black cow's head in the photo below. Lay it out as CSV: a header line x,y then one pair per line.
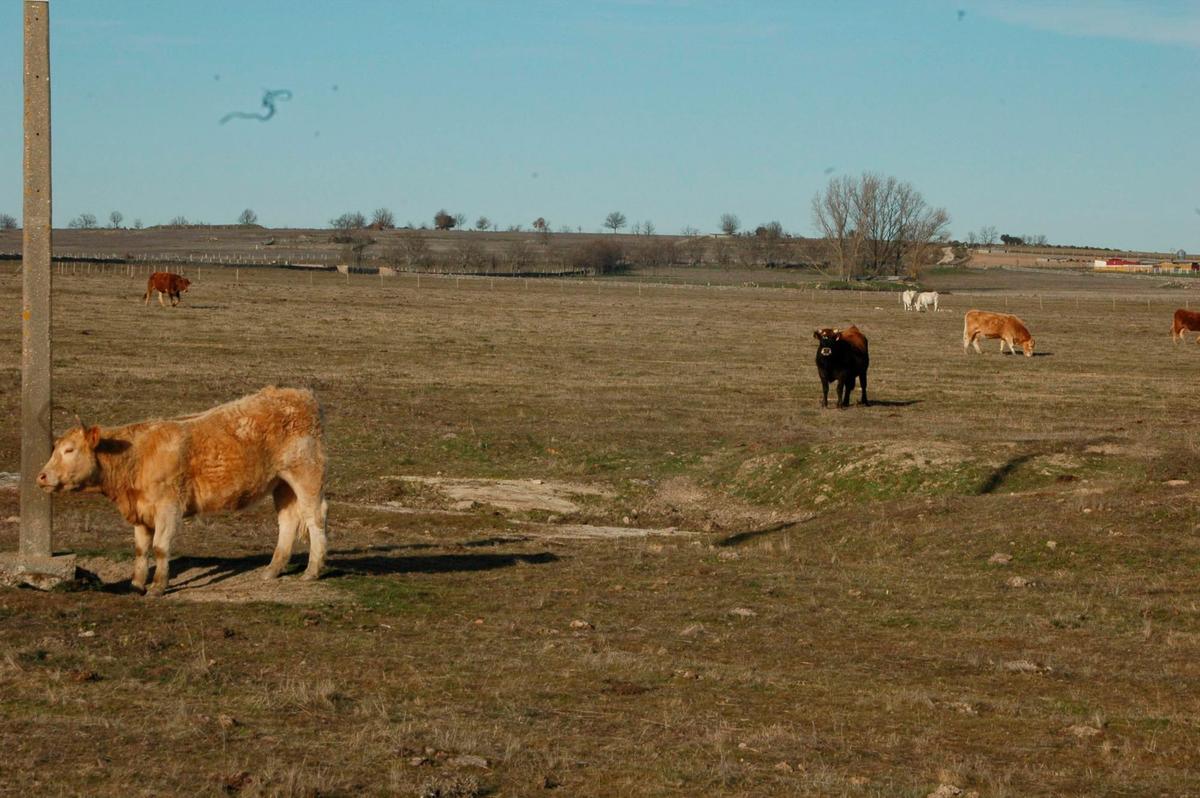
x,y
826,338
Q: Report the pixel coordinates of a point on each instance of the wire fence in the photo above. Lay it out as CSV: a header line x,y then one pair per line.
x,y
810,293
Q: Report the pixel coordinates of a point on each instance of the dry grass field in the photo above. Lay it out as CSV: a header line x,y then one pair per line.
x,y
986,581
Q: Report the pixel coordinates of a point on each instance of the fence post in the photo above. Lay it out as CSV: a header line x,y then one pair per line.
x,y
34,561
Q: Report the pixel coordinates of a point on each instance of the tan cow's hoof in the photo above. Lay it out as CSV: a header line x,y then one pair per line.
x,y
269,573
310,576
156,590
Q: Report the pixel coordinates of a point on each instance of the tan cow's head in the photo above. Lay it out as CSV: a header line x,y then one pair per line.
x,y
183,284
73,465
1027,345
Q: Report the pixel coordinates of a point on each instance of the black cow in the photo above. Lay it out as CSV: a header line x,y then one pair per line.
x,y
842,357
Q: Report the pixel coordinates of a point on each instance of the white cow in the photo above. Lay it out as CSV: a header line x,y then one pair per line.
x,y
907,298
926,299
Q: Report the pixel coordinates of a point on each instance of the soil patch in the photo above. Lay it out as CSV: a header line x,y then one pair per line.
x,y
512,494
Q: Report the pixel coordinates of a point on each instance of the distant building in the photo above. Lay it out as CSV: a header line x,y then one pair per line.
x,y
1145,267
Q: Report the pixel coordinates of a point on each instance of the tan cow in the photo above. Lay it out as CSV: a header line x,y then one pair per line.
x,y
159,472
1185,321
1005,326
173,285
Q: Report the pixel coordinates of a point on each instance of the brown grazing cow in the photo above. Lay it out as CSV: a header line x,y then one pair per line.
x,y
842,356
159,472
1185,321
1005,326
166,283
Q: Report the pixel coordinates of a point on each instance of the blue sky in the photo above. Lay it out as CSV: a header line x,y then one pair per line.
x,y
1077,120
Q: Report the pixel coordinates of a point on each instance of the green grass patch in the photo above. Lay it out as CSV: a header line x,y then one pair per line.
x,y
383,594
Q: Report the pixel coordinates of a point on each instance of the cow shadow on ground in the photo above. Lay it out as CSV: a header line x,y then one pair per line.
x,y
1022,354
997,478
738,538
202,572
894,402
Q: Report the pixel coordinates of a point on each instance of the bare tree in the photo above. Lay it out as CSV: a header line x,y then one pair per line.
x,y
382,219
689,231
835,216
84,221
415,249
443,220
614,221
730,223
692,249
901,226
460,220
873,224
927,233
769,240
247,216
178,221
469,254
541,225
483,223
648,228
137,224
8,221
517,255
987,235
596,256
349,221
114,220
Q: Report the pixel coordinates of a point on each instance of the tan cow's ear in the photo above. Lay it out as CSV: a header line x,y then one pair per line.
x,y
817,334
92,436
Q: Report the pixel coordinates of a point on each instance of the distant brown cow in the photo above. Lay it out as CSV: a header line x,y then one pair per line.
x,y
1185,321
173,285
159,472
1005,326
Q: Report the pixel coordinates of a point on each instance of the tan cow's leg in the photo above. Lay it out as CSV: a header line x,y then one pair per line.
x,y
315,517
166,520
975,343
289,523
141,558
160,299
309,486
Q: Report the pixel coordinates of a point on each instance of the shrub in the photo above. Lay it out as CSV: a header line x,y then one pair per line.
x,y
597,256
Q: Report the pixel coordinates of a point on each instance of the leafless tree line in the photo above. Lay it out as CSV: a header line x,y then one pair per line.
x,y
874,225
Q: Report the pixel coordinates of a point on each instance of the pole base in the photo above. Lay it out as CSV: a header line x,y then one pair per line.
x,y
43,573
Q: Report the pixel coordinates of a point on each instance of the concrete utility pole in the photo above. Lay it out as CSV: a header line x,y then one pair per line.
x,y
35,562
